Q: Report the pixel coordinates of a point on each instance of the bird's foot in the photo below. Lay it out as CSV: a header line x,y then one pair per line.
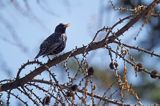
x,y
48,58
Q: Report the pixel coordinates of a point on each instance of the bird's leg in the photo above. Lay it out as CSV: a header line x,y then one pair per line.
x,y
48,57
56,55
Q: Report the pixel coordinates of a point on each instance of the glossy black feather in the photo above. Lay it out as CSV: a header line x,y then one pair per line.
x,y
55,43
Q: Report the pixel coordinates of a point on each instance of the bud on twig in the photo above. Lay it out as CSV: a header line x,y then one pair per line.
x,y
154,74
46,100
113,65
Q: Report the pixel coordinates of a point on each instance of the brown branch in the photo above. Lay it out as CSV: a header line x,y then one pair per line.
x,y
93,46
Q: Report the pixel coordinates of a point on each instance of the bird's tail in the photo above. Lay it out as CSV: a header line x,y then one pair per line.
x,y
37,55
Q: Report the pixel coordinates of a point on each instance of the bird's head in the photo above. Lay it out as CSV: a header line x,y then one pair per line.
x,y
61,28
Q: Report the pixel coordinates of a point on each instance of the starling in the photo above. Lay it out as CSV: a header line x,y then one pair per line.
x,y
55,43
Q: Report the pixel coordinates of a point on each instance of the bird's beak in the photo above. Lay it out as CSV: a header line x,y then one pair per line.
x,y
66,25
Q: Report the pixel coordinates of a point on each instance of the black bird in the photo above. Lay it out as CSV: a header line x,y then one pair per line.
x,y
55,43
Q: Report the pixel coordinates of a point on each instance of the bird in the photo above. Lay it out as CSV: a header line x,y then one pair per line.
x,y
55,43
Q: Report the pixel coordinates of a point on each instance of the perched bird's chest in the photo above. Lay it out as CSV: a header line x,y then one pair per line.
x,y
59,38
62,40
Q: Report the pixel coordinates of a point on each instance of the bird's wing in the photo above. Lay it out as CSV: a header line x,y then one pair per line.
x,y
53,47
56,42
50,44
43,48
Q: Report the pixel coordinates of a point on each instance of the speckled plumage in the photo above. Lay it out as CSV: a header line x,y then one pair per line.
x,y
55,43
